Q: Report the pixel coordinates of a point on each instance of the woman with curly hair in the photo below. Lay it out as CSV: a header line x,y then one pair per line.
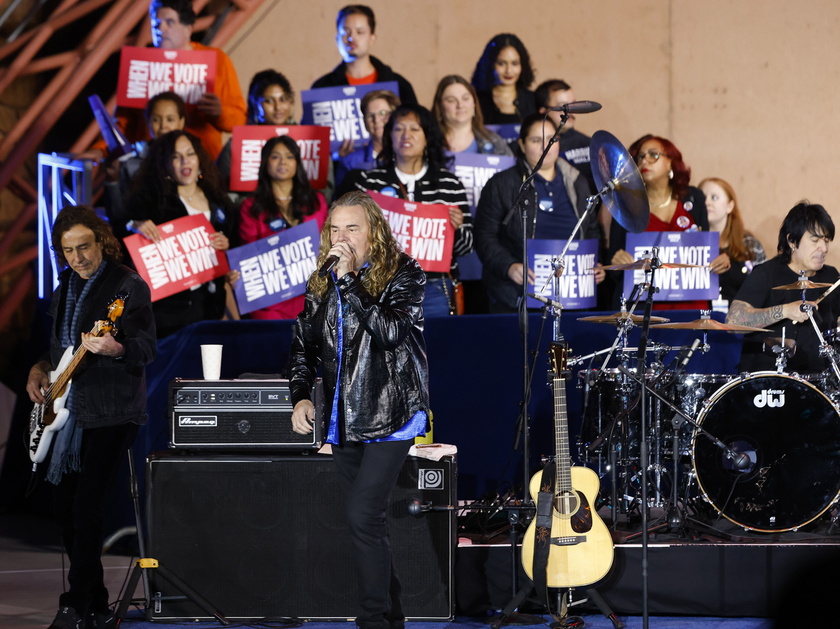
x,y
413,166
741,248
362,328
502,78
178,179
283,199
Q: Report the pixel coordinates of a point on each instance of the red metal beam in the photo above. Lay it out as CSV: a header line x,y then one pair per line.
x,y
65,87
63,15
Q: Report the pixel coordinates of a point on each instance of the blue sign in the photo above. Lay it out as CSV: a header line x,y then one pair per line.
x,y
340,108
576,286
677,284
275,268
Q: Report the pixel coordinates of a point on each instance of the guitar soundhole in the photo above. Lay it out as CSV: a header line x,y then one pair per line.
x,y
566,502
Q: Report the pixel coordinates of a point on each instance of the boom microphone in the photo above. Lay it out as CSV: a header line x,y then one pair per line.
x,y
546,301
328,266
578,107
685,356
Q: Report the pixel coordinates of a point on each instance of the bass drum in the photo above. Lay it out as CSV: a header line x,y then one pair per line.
x,y
790,430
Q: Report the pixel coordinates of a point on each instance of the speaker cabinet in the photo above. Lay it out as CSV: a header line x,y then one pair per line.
x,y
265,537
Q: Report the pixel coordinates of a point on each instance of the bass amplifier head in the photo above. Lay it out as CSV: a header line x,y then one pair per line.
x,y
226,415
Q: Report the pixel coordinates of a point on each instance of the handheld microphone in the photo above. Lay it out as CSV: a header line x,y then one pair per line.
x,y
328,266
578,107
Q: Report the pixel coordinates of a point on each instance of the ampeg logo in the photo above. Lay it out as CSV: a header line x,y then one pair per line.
x,y
770,398
198,421
430,479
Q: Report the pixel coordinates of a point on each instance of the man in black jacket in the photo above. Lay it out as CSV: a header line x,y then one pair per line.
x,y
362,325
356,34
106,400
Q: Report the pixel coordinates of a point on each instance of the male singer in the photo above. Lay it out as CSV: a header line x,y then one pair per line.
x,y
362,324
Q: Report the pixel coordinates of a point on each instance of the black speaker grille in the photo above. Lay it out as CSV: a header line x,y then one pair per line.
x,y
263,537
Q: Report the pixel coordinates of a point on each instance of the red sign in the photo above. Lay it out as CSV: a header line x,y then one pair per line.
x,y
246,146
422,229
146,72
183,258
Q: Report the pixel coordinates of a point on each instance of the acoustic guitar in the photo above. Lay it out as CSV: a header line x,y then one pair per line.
x,y
581,549
48,418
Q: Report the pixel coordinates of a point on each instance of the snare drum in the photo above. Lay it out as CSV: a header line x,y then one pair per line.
x,y
790,430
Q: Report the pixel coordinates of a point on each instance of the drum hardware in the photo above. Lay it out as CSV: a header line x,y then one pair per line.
x,y
645,264
739,460
803,284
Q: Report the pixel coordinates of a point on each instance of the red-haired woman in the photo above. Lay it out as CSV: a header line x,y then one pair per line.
x,y
742,249
674,205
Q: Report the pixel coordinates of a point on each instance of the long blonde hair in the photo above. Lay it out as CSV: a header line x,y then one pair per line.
x,y
384,252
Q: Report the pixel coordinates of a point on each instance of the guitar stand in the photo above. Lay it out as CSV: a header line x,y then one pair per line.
x,y
564,595
142,565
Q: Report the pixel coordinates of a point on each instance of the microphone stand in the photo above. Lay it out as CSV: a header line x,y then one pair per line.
x,y
521,202
523,423
643,446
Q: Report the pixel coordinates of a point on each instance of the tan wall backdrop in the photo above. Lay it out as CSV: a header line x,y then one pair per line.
x,y
746,89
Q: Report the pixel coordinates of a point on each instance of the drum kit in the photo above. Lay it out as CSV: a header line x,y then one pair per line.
x,y
761,449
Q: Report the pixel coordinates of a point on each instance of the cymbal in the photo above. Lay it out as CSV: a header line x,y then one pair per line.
x,y
618,317
802,285
619,182
708,324
644,265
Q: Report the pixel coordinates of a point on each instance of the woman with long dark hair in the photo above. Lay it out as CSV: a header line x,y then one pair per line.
x,y
283,199
179,179
271,101
413,166
502,78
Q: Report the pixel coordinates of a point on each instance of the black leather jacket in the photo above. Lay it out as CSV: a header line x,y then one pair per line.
x,y
110,391
384,372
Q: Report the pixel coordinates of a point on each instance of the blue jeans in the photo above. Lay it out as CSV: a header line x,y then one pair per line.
x,y
436,301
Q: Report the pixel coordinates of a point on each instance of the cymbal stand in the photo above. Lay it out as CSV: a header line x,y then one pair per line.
x,y
655,264
826,350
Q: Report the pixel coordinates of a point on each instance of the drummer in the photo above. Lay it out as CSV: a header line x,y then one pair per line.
x,y
804,240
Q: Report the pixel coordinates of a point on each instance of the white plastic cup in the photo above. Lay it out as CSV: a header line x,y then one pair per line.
x,y
211,361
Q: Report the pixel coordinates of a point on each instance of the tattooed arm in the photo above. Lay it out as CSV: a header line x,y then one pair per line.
x,y
742,313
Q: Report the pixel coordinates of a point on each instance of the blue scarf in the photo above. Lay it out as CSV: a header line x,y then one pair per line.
x,y
67,447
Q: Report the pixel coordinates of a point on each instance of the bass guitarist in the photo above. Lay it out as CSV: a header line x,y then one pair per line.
x,y
106,398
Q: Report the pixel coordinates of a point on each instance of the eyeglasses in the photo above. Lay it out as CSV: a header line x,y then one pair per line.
x,y
651,156
382,115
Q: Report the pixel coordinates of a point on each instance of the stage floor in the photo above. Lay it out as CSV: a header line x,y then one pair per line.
x,y
691,583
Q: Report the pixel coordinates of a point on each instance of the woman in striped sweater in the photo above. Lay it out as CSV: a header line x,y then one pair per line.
x,y
413,166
